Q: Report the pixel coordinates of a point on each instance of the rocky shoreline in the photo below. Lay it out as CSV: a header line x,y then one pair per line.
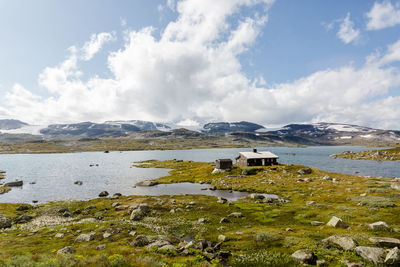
x,y
378,155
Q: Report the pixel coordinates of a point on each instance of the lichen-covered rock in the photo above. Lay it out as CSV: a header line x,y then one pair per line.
x,y
4,221
393,257
379,226
336,222
85,237
385,241
103,194
341,242
140,212
304,256
375,255
66,250
236,215
140,241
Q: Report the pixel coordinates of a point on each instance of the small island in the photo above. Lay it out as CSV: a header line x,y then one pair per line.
x,y
392,154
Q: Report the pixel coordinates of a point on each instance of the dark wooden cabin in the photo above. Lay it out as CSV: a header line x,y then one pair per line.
x,y
224,164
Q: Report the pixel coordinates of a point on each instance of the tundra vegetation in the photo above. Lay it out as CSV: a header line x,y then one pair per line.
x,y
319,218
392,154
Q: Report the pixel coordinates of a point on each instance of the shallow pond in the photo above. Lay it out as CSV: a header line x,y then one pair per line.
x,y
54,174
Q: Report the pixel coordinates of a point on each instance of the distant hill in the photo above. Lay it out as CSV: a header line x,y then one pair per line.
x,y
225,127
11,124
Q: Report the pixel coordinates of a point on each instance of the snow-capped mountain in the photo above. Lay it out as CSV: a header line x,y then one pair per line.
x,y
11,124
224,127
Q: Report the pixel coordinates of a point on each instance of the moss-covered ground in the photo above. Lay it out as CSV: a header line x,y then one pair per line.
x,y
260,238
392,154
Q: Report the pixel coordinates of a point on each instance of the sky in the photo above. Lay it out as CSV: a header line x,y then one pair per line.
x,y
189,62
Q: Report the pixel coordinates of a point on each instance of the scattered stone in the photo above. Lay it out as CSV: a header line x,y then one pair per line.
x,y
67,214
349,263
304,171
395,186
115,204
107,235
66,250
168,247
393,257
158,244
236,215
103,194
224,220
140,241
340,242
222,238
321,263
140,212
336,222
202,220
310,203
289,230
317,223
385,241
85,237
372,254
304,256
379,226
78,182
101,247
59,235
132,233
4,221
327,178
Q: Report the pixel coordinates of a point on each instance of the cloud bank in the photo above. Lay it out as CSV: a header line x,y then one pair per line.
x,y
192,74
383,15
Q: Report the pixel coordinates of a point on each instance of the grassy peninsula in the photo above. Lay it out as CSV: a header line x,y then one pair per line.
x,y
392,154
194,230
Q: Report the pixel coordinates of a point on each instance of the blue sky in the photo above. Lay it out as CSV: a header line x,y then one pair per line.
x,y
187,69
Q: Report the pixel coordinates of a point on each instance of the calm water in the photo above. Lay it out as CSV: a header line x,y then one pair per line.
x,y
55,174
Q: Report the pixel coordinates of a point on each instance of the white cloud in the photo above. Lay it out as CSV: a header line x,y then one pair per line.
x,y
192,73
171,4
383,15
95,44
347,33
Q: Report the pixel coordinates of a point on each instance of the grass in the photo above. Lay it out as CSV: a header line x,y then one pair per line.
x,y
259,238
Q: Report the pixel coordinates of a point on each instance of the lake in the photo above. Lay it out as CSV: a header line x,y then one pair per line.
x,y
54,174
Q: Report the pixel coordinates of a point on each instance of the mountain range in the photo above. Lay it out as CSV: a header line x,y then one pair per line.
x,y
307,134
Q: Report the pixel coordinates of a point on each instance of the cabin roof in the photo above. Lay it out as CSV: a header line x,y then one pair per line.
x,y
258,155
224,160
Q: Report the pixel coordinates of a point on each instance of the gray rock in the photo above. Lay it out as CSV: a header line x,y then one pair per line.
x,y
379,226
78,182
222,238
85,237
385,241
393,257
66,250
375,255
158,244
168,247
140,212
224,220
23,207
107,235
23,219
321,263
103,194
341,242
303,256
317,223
336,222
59,235
349,263
101,247
222,200
4,221
140,241
202,220
236,215
327,178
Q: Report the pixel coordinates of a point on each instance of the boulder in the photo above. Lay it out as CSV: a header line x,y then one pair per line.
x,y
340,242
23,218
303,256
158,244
224,220
222,200
393,257
222,238
379,226
78,182
23,207
140,241
168,247
101,247
85,237
148,183
103,194
385,241
140,212
256,196
327,178
375,255
59,235
4,221
66,250
202,220
336,222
